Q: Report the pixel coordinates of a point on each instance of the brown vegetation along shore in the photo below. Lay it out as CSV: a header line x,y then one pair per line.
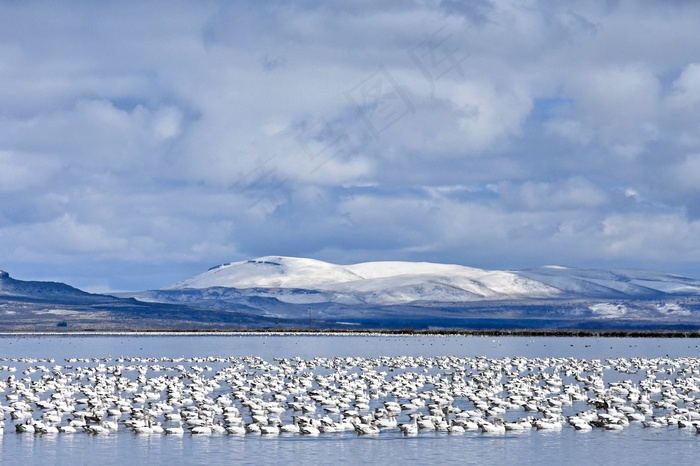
x,y
397,332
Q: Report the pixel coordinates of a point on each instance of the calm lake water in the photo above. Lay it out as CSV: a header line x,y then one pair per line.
x,y
633,445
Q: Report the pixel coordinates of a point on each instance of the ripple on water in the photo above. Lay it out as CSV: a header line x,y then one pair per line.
x,y
206,360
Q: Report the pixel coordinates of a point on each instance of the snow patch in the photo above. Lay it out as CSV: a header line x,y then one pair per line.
x,y
609,310
387,282
59,312
672,309
397,282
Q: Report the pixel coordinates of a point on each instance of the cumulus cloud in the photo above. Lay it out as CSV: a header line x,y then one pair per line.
x,y
686,89
20,172
617,101
488,114
153,140
685,174
572,193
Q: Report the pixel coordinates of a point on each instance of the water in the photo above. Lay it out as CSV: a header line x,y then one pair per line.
x,y
634,444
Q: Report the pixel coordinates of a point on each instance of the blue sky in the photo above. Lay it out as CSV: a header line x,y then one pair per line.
x,y
144,142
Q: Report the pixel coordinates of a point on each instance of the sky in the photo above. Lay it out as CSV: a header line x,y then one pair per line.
x,y
143,142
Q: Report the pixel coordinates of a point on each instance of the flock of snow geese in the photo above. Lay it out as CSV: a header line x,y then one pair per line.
x,y
368,396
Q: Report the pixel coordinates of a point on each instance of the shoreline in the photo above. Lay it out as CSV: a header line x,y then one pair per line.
x,y
370,332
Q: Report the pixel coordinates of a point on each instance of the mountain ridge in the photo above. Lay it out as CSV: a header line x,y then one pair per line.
x,y
295,293
413,281
10,287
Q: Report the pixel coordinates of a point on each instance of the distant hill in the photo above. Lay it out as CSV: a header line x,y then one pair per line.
x,y
388,283
11,288
275,292
34,306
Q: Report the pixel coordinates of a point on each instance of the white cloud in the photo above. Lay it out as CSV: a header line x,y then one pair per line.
x,y
167,136
659,237
686,89
572,193
619,102
166,123
487,115
686,174
62,236
22,172
682,107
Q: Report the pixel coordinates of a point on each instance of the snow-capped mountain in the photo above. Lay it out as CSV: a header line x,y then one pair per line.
x,y
615,282
387,283
370,282
295,293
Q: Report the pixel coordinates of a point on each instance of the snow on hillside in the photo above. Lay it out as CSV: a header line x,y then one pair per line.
x,y
609,310
593,282
270,272
386,283
376,282
672,309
